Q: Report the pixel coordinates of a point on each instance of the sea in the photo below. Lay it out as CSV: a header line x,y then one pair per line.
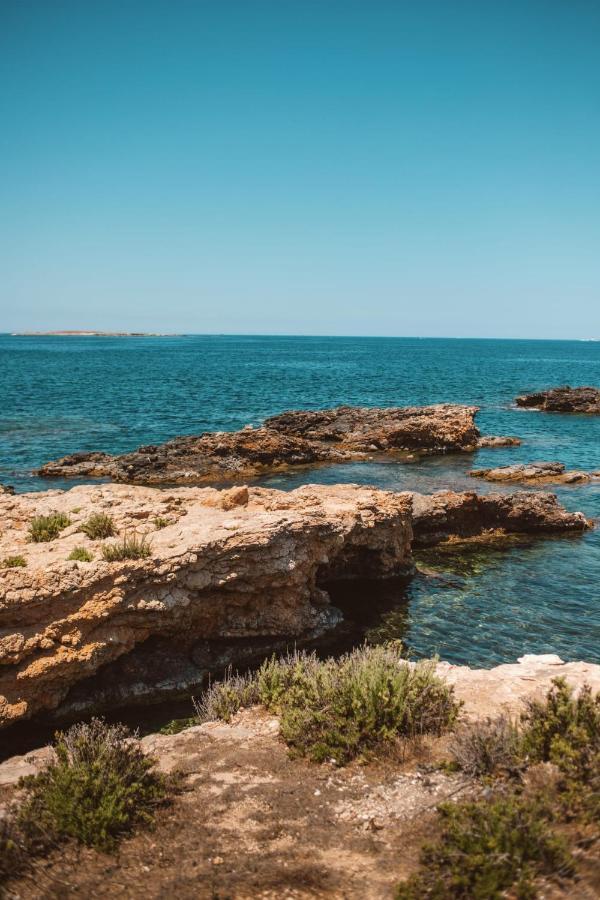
x,y
481,607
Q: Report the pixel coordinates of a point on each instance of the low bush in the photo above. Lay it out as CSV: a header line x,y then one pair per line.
x,y
14,562
160,522
80,554
130,546
101,785
340,709
11,854
98,526
486,747
46,528
487,848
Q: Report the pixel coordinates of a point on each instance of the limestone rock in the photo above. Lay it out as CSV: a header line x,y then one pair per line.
x,y
564,399
229,565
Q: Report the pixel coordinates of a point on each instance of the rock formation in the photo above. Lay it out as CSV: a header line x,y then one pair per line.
x,y
564,399
535,473
448,516
224,567
227,565
291,439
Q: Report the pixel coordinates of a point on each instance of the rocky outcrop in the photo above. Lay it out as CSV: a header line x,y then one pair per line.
x,y
489,440
449,516
291,439
225,565
564,399
229,572
535,473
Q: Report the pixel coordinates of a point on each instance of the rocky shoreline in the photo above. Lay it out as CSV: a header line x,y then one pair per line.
x,y
292,439
220,566
535,473
563,399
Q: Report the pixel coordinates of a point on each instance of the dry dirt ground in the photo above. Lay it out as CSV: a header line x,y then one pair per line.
x,y
251,822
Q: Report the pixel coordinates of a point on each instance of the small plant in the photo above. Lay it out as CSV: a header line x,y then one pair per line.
x,y
563,728
130,546
340,709
160,522
486,747
486,849
101,785
10,849
14,562
177,725
80,554
46,528
98,526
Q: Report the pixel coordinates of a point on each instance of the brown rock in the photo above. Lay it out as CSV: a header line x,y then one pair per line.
x,y
537,473
564,399
291,439
447,515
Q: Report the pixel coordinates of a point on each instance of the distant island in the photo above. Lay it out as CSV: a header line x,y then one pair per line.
x,y
91,334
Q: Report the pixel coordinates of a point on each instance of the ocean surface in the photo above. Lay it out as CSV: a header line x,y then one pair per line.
x,y
63,394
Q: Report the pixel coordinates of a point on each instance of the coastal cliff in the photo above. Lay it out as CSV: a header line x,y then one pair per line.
x,y
212,567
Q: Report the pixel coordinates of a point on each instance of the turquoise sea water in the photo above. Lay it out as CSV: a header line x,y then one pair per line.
x,y
63,394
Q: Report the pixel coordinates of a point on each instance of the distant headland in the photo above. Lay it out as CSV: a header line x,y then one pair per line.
x,y
74,333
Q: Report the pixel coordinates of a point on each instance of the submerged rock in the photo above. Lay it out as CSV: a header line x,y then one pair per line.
x,y
564,399
229,574
291,439
538,473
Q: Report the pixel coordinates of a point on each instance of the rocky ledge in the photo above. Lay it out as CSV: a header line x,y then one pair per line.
x,y
564,399
249,565
535,473
291,439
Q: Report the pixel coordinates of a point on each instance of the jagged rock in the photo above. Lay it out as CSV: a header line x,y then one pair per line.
x,y
446,515
291,439
564,399
6,489
539,473
229,565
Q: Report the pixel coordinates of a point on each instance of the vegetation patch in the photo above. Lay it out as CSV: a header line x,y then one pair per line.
x,y
494,846
130,546
98,526
160,522
80,554
344,708
486,848
14,562
46,528
487,747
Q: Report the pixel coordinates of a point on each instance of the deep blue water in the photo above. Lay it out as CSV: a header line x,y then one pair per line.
x,y
62,394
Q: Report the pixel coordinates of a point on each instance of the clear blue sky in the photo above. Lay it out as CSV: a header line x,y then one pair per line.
x,y
301,166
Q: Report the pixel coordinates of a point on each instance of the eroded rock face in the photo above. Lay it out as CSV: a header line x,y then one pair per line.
x,y
237,572
226,565
447,516
535,473
564,399
291,439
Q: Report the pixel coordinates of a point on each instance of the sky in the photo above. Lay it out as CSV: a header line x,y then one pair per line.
x,y
425,168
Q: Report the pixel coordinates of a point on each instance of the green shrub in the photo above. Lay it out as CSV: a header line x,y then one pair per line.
x,y
486,747
98,526
80,554
11,855
14,562
101,785
563,729
160,522
487,848
46,528
175,726
340,709
130,546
